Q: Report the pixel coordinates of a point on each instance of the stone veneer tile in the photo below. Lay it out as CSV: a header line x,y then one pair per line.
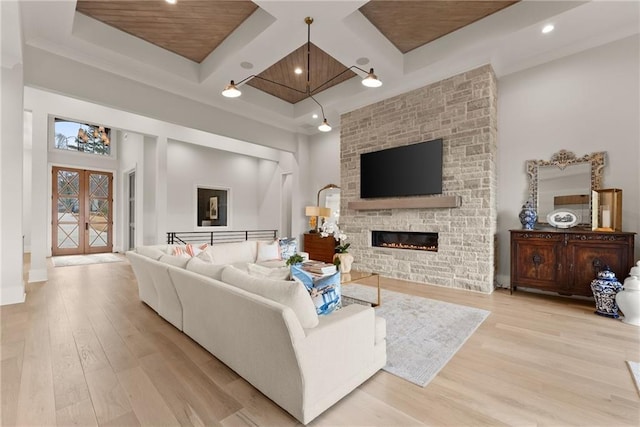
x,y
462,110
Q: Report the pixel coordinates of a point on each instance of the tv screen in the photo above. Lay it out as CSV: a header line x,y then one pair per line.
x,y
411,170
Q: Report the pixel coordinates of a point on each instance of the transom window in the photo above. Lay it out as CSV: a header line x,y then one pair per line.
x,y
82,137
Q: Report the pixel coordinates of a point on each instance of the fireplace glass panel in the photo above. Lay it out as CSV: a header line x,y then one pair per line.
x,y
411,240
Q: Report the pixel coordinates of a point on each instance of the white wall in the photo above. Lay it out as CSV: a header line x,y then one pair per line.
x,y
11,149
269,195
130,158
583,103
190,166
26,180
324,165
62,75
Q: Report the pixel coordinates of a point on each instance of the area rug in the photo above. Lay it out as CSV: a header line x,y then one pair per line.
x,y
634,368
422,334
67,260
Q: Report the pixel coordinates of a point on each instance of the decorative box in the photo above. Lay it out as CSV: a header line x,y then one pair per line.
x,y
607,210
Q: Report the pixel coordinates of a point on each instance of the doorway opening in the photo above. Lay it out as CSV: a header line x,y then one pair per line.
x,y
82,211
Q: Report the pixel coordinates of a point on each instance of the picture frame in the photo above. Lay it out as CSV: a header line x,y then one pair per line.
x,y
212,207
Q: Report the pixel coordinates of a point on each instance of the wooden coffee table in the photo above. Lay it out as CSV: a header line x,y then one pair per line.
x,y
355,276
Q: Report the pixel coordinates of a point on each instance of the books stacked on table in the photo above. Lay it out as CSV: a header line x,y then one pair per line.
x,y
319,268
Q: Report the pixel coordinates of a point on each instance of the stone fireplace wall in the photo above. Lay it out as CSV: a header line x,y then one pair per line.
x,y
462,110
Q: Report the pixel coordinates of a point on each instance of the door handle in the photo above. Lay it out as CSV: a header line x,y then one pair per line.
x,y
86,226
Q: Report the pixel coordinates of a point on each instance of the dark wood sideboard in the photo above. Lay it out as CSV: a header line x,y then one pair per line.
x,y
319,248
566,261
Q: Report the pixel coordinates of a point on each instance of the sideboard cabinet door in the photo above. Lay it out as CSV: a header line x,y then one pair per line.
x,y
536,260
589,253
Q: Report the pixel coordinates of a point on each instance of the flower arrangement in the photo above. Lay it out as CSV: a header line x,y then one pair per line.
x,y
332,229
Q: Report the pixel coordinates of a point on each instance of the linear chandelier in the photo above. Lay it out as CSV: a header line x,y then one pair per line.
x,y
371,80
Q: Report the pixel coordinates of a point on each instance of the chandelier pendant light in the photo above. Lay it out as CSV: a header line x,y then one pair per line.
x,y
371,80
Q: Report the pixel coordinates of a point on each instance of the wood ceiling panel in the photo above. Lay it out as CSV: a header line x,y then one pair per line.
x,y
190,28
411,24
323,68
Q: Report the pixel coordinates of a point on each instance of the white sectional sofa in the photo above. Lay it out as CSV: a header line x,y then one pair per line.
x,y
266,330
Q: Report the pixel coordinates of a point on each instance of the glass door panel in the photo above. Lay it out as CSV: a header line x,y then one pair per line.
x,y
98,225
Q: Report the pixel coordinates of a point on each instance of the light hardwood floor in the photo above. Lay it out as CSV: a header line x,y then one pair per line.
x,y
83,350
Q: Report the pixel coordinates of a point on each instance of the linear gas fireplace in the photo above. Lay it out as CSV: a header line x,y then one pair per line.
x,y
411,240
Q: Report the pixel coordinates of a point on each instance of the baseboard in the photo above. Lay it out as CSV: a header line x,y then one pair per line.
x,y
12,295
38,275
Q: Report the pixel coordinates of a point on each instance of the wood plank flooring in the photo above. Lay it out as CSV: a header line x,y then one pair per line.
x,y
83,350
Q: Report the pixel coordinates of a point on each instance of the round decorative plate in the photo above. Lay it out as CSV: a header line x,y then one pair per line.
x,y
563,218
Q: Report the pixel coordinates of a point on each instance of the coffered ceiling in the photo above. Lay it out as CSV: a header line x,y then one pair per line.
x,y
193,48
194,28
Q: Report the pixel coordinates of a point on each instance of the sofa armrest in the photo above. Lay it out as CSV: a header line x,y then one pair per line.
x,y
339,348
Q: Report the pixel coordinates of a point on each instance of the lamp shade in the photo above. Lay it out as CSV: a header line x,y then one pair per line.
x,y
371,80
231,91
324,212
312,211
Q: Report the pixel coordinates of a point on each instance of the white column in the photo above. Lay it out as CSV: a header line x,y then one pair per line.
x,y
40,196
11,153
161,189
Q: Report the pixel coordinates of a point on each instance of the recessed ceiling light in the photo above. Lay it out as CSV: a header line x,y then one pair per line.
x,y
171,1
315,116
547,28
362,61
298,70
246,65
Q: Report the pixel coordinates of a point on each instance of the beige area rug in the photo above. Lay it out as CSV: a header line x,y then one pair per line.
x,y
634,368
69,260
422,334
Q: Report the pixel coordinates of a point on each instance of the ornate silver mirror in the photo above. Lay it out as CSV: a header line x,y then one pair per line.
x,y
329,197
565,182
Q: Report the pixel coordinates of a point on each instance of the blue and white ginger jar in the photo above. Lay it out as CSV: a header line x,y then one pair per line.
x,y
604,288
528,216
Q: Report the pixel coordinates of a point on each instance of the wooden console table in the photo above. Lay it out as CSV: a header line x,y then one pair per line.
x,y
566,261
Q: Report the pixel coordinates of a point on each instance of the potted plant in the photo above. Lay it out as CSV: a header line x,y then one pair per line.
x,y
295,259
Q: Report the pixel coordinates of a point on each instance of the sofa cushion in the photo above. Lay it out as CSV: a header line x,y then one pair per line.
x,y
174,260
325,291
286,292
150,251
277,273
229,253
268,251
205,268
273,263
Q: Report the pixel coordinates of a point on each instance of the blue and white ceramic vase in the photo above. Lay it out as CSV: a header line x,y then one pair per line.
x,y
528,216
604,288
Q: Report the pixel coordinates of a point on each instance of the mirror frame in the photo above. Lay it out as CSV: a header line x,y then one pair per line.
x,y
326,187
562,159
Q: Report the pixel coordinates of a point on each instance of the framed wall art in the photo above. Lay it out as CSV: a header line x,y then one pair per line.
x,y
212,206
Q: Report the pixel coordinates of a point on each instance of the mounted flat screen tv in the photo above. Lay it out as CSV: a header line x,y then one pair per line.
x,y
410,170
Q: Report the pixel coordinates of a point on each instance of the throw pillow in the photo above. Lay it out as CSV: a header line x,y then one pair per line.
x,y
325,291
180,252
288,247
268,251
189,251
278,273
286,292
